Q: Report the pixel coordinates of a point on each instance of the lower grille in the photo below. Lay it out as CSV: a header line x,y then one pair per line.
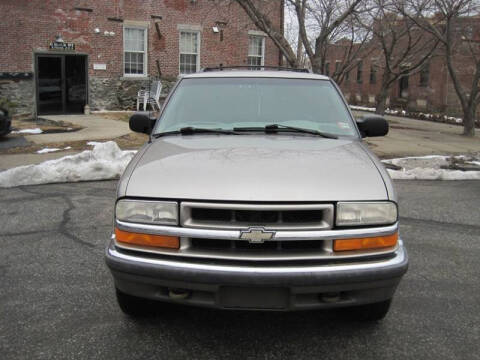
x,y
225,245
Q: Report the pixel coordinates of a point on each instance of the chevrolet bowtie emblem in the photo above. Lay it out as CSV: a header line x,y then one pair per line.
x,y
256,235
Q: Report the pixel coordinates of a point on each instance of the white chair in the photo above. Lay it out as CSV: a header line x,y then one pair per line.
x,y
151,96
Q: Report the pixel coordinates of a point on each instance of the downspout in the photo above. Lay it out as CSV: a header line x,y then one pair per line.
x,y
282,29
446,88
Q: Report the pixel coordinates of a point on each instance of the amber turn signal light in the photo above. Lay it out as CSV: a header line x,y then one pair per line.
x,y
376,242
171,242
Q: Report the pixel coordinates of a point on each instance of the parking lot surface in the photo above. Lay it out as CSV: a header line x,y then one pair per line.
x,y
57,298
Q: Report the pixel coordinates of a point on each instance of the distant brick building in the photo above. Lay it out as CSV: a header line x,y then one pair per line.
x,y
58,56
428,90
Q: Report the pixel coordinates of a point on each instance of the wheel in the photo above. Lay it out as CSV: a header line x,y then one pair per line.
x,y
368,312
134,306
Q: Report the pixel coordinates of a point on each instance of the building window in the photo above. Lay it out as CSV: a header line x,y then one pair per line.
x,y
135,51
189,52
425,75
256,50
469,32
327,68
337,67
403,87
359,71
347,76
373,74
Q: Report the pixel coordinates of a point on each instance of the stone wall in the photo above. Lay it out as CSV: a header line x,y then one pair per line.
x,y
118,93
104,93
20,93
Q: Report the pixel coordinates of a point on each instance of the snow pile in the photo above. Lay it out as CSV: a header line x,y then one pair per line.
x,y
387,110
105,161
48,150
414,115
28,131
362,108
104,111
433,167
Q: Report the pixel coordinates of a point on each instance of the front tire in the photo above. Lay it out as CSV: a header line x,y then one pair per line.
x,y
369,312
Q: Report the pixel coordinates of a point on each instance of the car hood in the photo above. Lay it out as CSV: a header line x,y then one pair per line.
x,y
255,168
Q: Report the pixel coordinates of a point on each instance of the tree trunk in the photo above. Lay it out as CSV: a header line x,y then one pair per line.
x,y
469,121
299,38
317,65
382,100
299,50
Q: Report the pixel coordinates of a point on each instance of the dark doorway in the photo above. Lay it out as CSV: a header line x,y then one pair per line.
x,y
61,84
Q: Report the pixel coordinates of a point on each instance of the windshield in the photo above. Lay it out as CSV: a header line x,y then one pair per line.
x,y
228,103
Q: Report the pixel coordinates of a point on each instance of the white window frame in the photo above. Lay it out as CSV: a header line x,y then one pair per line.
x,y
199,46
145,50
256,35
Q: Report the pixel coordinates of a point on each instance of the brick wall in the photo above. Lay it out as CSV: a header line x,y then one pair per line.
x,y
431,97
30,25
438,96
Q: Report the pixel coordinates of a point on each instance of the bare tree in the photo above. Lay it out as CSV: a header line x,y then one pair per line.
x,y
354,44
454,27
403,47
292,34
320,23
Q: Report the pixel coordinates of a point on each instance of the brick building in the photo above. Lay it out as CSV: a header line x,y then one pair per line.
x,y
58,56
430,89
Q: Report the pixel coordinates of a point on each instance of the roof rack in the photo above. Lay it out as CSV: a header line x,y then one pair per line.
x,y
254,67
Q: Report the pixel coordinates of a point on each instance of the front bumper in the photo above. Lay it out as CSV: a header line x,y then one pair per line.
x,y
259,286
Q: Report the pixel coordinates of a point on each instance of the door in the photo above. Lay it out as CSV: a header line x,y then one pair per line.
x,y
49,85
61,84
75,83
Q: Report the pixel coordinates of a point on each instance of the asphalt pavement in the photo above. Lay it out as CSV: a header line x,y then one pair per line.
x,y
57,298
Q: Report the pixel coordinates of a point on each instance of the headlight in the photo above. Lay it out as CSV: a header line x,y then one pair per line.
x,y
147,212
366,213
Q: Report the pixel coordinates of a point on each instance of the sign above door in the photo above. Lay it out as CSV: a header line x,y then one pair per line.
x,y
60,44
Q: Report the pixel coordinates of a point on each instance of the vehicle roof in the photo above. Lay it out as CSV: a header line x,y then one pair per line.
x,y
250,73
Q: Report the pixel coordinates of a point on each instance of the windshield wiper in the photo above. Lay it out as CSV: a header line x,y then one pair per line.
x,y
275,127
189,130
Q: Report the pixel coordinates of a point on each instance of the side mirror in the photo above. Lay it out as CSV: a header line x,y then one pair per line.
x,y
372,125
141,122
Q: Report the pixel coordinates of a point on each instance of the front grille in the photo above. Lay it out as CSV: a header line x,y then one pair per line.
x,y
255,217
241,216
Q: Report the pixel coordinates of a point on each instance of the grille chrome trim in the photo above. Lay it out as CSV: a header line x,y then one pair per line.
x,y
235,234
325,223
